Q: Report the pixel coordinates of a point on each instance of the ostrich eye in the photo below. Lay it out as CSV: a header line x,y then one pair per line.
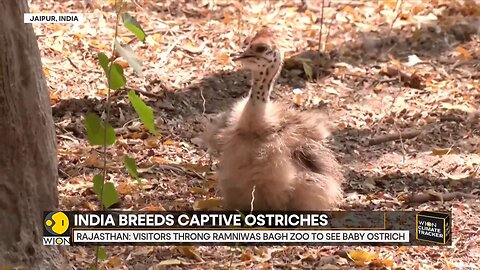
x,y
260,49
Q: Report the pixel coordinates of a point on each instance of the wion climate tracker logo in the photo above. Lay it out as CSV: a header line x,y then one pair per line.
x,y
433,227
56,229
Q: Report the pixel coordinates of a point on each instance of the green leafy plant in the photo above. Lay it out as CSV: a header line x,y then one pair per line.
x,y
144,112
99,131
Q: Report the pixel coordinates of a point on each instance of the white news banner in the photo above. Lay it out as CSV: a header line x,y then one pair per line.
x,y
53,18
233,236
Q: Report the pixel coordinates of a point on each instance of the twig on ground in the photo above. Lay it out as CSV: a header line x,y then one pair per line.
x,y
437,196
389,108
253,199
116,94
404,152
65,136
147,93
149,32
178,168
393,137
73,64
328,30
313,8
320,41
165,55
398,8
321,29
203,101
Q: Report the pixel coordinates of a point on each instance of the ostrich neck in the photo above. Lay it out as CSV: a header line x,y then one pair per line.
x,y
262,84
255,110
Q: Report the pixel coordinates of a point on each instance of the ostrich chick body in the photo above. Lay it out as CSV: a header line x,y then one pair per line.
x,y
272,157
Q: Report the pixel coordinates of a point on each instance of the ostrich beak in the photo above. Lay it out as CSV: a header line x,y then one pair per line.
x,y
240,55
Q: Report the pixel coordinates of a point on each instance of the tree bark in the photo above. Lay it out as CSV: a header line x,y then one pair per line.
x,y
28,161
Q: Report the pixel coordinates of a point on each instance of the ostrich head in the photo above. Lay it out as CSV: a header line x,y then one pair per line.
x,y
261,53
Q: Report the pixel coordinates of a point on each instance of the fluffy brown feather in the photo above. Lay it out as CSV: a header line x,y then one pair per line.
x,y
283,157
270,155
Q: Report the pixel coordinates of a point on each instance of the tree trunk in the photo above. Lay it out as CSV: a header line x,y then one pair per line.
x,y
28,162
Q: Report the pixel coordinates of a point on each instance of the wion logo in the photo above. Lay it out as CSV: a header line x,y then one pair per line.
x,y
56,229
433,227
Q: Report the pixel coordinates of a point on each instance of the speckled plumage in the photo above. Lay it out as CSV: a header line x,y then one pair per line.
x,y
270,146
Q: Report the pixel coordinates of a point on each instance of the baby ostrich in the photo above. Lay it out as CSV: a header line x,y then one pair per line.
x,y
270,156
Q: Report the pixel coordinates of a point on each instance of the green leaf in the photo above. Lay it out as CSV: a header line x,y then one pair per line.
x,y
144,112
96,131
131,166
104,61
102,254
110,195
116,79
132,25
308,70
97,184
129,55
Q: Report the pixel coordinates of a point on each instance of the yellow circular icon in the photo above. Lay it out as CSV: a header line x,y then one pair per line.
x,y
59,240
429,224
57,223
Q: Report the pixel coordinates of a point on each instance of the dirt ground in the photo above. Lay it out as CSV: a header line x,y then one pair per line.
x,y
408,68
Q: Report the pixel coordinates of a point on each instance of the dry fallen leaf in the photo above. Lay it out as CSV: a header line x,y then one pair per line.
x,y
227,18
328,267
122,63
440,151
190,252
170,142
464,53
197,190
54,97
124,188
188,45
360,257
418,8
207,204
153,208
395,62
151,142
298,100
457,107
308,257
413,60
46,71
115,261
159,160
94,160
459,176
170,262
57,45
214,176
199,168
381,263
102,92
223,58
247,255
